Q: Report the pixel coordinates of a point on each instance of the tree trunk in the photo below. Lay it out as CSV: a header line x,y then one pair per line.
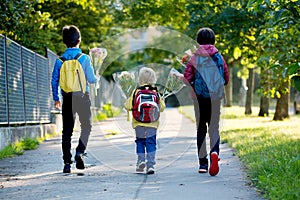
x,y
243,93
250,84
228,89
282,104
264,101
264,106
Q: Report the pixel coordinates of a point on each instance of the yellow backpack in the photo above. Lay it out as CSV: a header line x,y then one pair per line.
x,y
72,77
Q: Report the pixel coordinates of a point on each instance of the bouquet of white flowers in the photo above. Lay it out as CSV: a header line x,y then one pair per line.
x,y
174,83
97,56
126,82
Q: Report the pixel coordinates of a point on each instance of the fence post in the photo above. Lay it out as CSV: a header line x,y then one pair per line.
x,y
37,89
23,84
6,82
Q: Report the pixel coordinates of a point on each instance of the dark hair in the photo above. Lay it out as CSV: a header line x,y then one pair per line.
x,y
206,36
71,35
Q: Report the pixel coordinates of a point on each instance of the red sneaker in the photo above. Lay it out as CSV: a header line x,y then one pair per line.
x,y
214,165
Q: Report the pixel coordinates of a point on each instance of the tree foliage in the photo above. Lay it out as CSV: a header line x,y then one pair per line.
x,y
261,33
279,38
236,28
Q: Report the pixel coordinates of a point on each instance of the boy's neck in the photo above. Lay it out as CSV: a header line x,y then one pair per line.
x,y
77,46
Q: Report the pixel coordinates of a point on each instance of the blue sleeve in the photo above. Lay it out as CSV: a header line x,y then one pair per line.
x,y
89,70
55,80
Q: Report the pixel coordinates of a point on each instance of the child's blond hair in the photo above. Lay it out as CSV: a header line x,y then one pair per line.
x,y
147,76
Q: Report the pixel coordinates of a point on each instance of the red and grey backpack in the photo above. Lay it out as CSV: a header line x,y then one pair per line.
x,y
145,104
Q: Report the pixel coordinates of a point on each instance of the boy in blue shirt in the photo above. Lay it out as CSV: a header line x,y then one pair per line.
x,y
73,104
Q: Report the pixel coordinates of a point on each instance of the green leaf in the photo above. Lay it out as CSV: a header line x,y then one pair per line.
x,y
296,82
293,69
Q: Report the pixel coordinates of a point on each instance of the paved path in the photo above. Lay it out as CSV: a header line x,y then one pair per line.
x,y
111,168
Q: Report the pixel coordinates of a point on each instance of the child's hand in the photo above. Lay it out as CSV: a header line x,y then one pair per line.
x,y
179,75
57,105
185,58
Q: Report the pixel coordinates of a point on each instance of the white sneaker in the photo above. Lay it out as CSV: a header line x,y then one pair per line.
x,y
140,166
150,170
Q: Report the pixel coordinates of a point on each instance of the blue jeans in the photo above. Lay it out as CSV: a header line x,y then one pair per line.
x,y
146,143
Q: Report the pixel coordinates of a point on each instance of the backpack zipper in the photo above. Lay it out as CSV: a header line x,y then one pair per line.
x,y
79,80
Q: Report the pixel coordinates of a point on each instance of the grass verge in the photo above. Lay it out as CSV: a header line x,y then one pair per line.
x,y
27,143
19,147
269,150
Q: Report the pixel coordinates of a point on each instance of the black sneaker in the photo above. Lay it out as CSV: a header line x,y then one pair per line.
x,y
203,168
150,170
67,168
79,160
140,166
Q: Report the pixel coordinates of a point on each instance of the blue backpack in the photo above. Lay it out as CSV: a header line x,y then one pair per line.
x,y
209,80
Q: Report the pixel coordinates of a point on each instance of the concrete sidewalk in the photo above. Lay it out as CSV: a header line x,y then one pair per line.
x,y
110,172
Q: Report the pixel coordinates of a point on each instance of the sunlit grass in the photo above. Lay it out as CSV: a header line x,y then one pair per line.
x,y
269,150
19,147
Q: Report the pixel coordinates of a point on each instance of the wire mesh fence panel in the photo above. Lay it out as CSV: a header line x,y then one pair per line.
x,y
15,83
25,85
3,88
43,81
30,86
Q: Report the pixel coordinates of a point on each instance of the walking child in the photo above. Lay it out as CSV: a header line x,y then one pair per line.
x,y
73,72
146,105
207,72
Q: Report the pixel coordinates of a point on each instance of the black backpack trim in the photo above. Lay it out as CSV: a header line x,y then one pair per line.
x,y
63,59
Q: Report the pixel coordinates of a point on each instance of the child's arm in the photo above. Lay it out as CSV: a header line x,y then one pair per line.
x,y
128,104
226,74
55,80
162,105
89,70
190,70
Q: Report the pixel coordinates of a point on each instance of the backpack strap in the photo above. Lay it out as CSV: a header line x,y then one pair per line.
x,y
78,56
63,59
150,87
217,58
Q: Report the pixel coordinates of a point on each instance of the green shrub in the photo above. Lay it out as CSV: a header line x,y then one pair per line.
x,y
107,111
101,116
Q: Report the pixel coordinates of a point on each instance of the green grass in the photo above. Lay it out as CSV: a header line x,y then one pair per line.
x,y
107,111
269,150
19,147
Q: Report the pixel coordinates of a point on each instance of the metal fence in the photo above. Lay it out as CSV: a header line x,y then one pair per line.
x,y
25,88
24,80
